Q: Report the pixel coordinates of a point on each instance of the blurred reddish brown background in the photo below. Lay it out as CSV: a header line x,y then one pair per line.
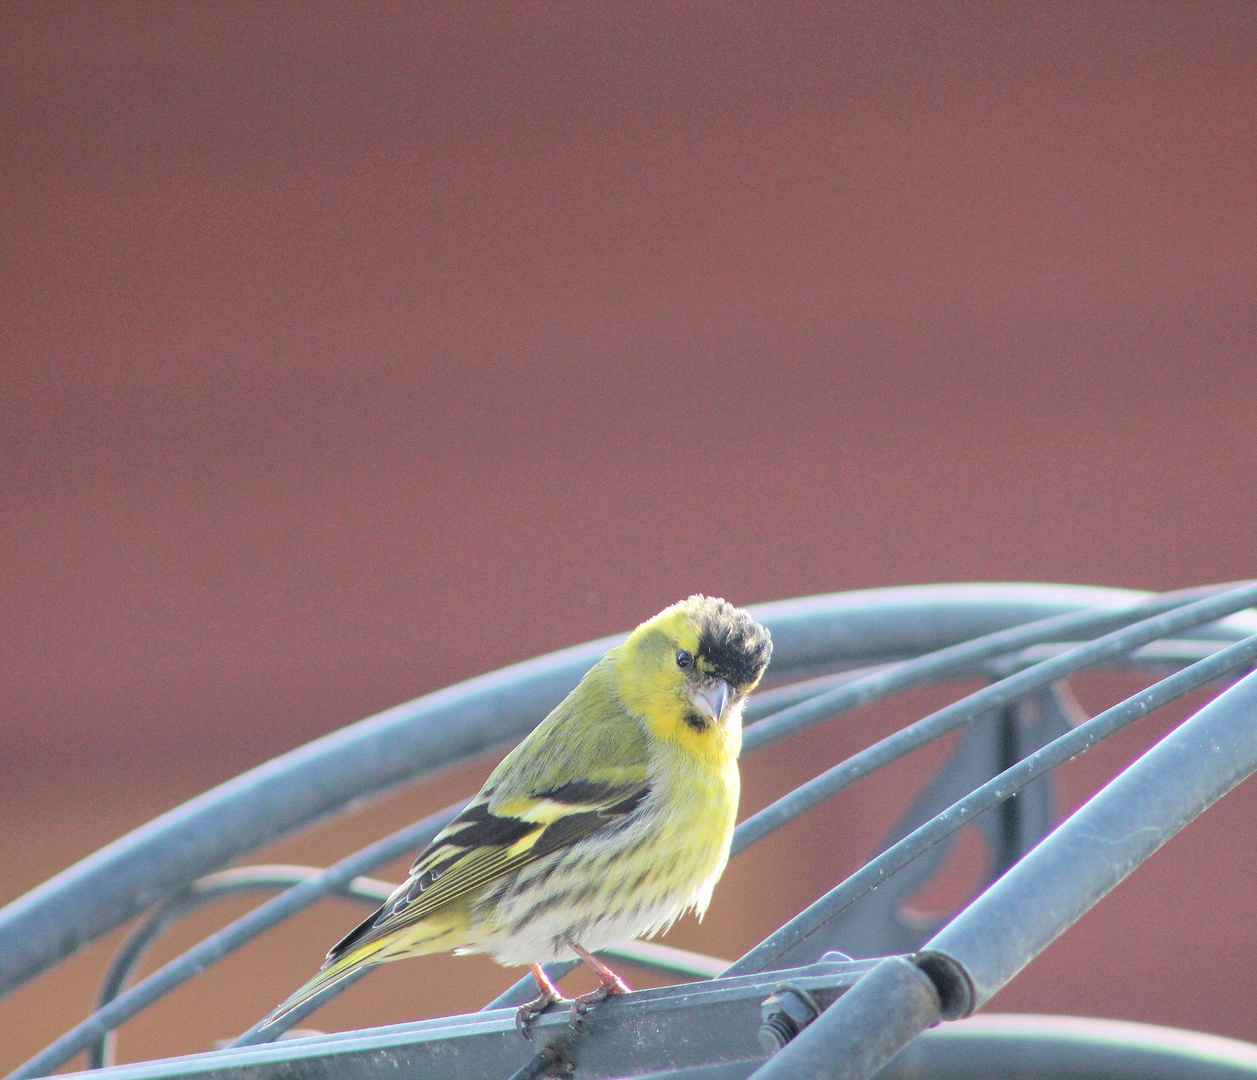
x,y
349,351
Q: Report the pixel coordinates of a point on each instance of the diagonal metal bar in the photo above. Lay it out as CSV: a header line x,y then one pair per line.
x,y
880,923
206,890
650,955
647,954
231,937
1092,851
967,655
990,794
999,694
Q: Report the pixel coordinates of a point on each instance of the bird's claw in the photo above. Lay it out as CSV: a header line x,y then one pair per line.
x,y
581,1004
576,1018
525,1013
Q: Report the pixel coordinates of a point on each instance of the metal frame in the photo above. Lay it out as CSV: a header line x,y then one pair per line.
x,y
832,654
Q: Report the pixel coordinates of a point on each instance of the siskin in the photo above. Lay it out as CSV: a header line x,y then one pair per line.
x,y
611,819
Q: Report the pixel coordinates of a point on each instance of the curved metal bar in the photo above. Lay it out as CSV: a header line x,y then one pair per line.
x,y
1026,1047
412,740
204,891
772,949
261,806
1004,692
1168,655
666,959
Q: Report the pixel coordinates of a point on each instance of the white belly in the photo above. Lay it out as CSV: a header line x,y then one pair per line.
x,y
605,889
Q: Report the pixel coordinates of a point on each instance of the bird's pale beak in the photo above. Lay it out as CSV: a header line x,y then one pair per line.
x,y
712,700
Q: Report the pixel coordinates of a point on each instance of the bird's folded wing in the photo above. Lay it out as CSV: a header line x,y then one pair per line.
x,y
486,841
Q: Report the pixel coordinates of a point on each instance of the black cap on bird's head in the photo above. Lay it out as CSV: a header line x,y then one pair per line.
x,y
731,645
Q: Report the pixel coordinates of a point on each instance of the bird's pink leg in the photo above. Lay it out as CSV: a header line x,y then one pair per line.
x,y
609,984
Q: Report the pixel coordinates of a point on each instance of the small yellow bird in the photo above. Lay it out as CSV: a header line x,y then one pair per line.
x,y
612,818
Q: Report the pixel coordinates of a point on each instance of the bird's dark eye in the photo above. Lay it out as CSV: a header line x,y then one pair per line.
x,y
684,660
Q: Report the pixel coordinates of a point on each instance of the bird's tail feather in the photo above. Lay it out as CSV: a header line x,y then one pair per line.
x,y
364,956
